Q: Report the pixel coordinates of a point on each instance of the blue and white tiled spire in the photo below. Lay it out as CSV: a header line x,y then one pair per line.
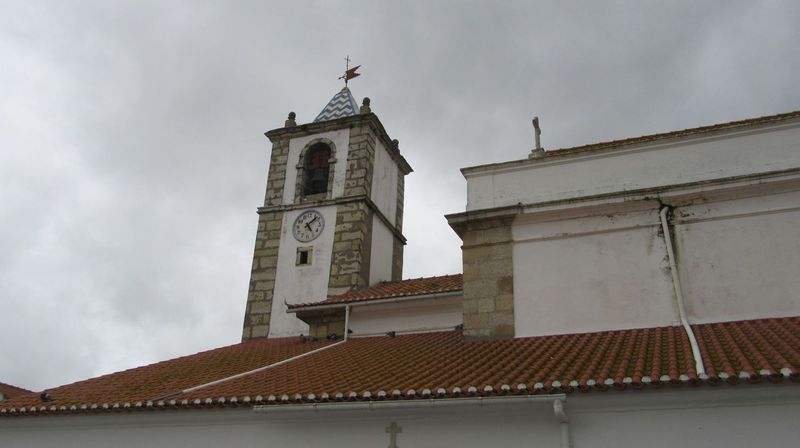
x,y
341,105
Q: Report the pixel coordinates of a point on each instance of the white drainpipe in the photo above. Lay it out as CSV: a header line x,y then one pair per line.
x,y
563,421
346,322
276,364
676,284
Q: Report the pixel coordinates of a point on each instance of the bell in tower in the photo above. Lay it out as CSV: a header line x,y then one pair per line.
x,y
317,169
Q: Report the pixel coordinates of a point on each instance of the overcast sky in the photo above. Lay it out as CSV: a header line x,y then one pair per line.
x,y
132,154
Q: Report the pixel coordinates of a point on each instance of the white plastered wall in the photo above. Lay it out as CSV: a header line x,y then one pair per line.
x,y
384,182
442,313
340,139
590,274
740,259
645,166
382,248
301,283
725,416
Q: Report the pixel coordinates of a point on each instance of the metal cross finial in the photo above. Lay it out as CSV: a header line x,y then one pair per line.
x,y
349,73
393,430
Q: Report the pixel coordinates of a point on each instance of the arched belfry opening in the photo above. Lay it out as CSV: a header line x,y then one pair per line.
x,y
316,169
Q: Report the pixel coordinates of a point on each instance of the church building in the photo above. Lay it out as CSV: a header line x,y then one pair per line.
x,y
638,292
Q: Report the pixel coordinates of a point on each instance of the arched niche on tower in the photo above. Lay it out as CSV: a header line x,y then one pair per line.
x,y
315,171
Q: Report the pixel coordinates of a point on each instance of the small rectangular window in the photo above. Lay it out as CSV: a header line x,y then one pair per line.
x,y
304,256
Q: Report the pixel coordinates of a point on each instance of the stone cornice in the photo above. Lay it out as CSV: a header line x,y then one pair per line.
x,y
646,198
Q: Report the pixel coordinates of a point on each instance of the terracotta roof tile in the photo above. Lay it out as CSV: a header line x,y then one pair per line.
x,y
550,364
400,288
373,368
10,391
155,380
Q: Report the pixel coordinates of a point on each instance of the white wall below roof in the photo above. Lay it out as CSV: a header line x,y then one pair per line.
x,y
740,259
590,274
381,251
384,182
340,139
442,313
737,259
581,175
296,284
738,416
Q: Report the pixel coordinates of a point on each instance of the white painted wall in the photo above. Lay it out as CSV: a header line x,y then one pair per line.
x,y
442,313
590,274
384,183
340,139
691,160
382,247
726,416
298,284
595,262
740,259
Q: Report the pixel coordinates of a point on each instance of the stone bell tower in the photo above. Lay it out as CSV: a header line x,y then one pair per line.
x,y
332,217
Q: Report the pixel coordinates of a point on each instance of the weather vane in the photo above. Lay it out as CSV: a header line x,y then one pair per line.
x,y
349,73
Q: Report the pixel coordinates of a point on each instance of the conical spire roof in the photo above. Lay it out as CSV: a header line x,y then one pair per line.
x,y
341,105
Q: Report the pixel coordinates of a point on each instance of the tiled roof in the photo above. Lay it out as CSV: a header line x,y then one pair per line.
x,y
444,364
9,391
341,105
156,380
675,134
400,288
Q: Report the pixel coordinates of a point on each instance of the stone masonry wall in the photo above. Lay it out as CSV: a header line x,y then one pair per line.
x,y
397,252
265,256
352,242
326,323
488,279
277,173
262,276
360,162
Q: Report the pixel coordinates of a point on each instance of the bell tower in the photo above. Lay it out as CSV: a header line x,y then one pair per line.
x,y
332,217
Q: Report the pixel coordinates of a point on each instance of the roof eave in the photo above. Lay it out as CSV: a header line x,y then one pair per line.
x,y
363,302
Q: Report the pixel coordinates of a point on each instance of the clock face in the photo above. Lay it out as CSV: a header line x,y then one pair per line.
x,y
308,226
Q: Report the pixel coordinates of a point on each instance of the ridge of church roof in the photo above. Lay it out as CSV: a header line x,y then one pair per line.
x,y
341,105
422,286
444,365
643,140
10,391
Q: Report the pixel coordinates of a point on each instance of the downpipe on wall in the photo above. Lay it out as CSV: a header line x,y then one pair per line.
x,y
563,422
676,284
